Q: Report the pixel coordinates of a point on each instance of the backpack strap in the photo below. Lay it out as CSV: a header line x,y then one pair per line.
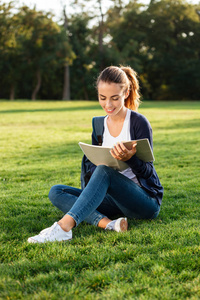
x,y
86,166
98,128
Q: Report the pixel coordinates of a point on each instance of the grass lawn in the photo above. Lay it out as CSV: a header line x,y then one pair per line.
x,y
157,259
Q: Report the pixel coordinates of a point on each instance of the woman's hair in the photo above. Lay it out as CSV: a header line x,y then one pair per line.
x,y
127,78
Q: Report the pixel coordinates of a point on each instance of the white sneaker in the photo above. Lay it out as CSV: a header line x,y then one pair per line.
x,y
119,225
51,234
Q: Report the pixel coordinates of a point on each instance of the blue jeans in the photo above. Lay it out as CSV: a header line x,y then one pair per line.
x,y
107,194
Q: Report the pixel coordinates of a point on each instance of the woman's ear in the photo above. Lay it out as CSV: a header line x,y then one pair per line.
x,y
127,94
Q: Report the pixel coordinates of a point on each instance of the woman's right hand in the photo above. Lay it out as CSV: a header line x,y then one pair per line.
x,y
120,152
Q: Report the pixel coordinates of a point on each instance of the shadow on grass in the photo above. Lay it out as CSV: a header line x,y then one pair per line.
x,y
60,109
170,105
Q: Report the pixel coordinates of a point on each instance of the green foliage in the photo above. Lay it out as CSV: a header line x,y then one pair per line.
x,y
10,56
156,259
160,41
34,47
172,40
80,72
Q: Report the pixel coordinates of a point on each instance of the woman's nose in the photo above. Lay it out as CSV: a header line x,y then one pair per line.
x,y
108,103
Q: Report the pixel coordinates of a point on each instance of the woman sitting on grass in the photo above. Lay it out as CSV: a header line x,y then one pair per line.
x,y
135,192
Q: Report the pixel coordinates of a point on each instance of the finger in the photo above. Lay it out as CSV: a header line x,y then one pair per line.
x,y
112,152
119,148
115,151
134,145
123,147
133,150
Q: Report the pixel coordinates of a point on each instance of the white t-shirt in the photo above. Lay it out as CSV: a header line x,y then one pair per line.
x,y
110,141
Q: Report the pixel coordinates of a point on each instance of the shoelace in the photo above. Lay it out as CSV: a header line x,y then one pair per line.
x,y
51,230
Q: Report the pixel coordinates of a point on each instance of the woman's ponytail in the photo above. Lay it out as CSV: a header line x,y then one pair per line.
x,y
133,99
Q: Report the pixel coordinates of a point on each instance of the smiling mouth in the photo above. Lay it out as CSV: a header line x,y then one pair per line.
x,y
110,110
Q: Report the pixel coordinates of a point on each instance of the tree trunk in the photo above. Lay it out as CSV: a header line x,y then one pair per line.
x,y
38,85
85,93
100,37
66,87
12,92
84,89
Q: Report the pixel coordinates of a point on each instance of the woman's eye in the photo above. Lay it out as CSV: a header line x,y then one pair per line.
x,y
103,98
115,99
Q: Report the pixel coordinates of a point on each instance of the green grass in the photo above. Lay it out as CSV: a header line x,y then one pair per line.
x,y
157,259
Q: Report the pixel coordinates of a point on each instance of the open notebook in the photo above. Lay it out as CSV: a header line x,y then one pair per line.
x,y
100,155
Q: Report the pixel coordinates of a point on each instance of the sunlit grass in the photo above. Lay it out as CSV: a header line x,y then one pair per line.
x,y
156,259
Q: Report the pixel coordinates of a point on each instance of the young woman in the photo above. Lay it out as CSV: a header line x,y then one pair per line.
x,y
133,193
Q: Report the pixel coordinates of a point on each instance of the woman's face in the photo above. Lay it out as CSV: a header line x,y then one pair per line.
x,y
111,98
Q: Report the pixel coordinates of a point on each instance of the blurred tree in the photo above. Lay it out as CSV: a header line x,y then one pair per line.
x,y
97,14
81,44
87,37
66,85
160,41
10,55
31,44
172,38
44,44
101,31
127,28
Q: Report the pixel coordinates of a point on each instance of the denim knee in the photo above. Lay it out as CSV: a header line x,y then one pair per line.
x,y
154,216
104,169
53,193
101,167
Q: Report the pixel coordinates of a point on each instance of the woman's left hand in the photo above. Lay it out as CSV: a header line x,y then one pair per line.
x,y
120,152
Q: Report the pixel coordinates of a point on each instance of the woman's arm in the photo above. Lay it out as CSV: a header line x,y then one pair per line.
x,y
140,129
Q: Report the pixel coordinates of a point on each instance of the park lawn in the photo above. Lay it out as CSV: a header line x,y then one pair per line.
x,y
157,259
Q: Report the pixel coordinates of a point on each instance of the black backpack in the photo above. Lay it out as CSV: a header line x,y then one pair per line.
x,y
86,166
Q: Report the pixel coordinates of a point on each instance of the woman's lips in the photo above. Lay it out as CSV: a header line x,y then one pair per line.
x,y
109,111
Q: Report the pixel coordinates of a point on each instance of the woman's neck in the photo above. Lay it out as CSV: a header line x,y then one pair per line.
x,y
115,123
120,117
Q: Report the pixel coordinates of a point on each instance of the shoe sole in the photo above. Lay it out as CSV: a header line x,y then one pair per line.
x,y
123,225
